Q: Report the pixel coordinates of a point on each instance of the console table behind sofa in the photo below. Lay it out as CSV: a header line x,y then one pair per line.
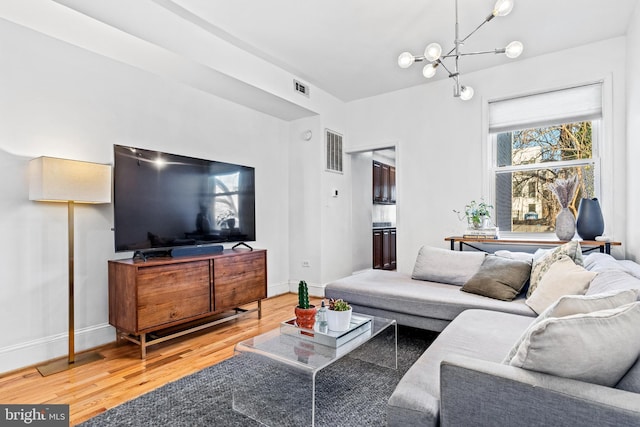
x,y
604,247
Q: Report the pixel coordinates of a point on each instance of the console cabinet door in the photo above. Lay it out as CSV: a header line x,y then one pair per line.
x,y
172,292
239,280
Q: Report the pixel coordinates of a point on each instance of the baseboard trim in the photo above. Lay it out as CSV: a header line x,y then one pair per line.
x,y
279,289
52,347
315,290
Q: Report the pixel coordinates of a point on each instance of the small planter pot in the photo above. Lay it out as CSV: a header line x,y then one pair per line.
x,y
306,317
339,320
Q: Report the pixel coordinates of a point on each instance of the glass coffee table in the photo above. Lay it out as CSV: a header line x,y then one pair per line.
x,y
277,384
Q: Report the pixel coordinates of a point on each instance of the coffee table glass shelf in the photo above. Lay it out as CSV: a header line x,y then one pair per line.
x,y
278,384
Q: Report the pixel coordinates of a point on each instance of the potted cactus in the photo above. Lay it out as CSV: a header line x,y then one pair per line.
x,y
305,313
339,315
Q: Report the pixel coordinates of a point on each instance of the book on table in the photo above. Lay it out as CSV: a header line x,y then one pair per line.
x,y
481,233
360,324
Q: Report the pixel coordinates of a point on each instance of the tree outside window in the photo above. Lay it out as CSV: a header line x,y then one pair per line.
x,y
528,159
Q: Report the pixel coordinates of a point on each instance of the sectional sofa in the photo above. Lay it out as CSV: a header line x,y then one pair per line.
x,y
492,363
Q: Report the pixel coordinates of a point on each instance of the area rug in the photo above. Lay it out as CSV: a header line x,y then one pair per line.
x,y
205,398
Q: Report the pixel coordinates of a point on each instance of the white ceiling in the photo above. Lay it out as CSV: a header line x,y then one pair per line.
x,y
348,48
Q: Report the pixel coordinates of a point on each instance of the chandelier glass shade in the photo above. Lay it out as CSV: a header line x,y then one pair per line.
x,y
433,53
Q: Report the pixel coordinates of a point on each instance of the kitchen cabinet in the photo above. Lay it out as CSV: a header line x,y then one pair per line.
x,y
384,183
384,248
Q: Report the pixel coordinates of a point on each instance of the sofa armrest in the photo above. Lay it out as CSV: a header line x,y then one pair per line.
x,y
477,392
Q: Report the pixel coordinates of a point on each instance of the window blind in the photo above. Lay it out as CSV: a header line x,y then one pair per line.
x,y
570,105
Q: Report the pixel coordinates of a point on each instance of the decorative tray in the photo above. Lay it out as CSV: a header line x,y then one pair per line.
x,y
360,324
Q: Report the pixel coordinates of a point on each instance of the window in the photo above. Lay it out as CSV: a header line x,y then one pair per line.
x,y
536,140
225,189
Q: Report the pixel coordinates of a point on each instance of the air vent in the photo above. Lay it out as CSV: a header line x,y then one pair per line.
x,y
301,88
334,151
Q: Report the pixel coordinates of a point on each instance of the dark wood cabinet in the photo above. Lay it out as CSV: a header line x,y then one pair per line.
x,y
392,249
377,182
170,297
377,249
384,183
392,184
384,249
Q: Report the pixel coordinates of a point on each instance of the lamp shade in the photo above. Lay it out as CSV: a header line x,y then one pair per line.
x,y
61,180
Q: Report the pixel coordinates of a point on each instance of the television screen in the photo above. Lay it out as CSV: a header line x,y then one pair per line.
x,y
165,200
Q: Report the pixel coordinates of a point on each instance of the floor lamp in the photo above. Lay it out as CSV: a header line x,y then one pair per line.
x,y
69,181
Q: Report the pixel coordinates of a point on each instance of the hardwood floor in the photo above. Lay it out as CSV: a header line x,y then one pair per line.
x,y
122,375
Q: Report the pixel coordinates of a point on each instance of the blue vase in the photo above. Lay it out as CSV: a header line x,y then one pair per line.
x,y
590,222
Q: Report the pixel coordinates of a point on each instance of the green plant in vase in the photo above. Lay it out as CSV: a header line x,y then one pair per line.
x,y
339,305
477,214
305,312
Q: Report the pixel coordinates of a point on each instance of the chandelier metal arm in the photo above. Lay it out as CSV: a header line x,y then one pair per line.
x,y
494,51
433,52
445,67
474,31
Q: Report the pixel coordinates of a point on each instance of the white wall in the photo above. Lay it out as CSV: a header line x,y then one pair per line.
x,y
362,210
440,160
63,101
632,243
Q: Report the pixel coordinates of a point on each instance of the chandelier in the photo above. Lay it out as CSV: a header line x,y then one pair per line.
x,y
433,52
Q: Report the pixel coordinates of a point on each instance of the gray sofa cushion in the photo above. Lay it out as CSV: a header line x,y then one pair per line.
x,y
499,277
482,334
631,380
397,292
446,266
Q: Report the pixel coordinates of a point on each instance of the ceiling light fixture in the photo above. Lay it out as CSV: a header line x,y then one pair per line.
x,y
433,52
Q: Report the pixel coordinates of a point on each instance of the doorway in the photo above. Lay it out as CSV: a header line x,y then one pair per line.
x,y
373,213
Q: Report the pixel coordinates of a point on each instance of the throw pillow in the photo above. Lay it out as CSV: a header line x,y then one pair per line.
x,y
446,266
597,347
541,264
611,280
569,305
499,278
631,380
522,256
563,278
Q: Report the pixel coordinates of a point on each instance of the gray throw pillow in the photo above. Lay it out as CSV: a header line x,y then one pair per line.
x,y
498,277
577,304
598,347
611,280
446,266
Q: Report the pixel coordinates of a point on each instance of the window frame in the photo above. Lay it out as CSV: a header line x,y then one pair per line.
x,y
598,153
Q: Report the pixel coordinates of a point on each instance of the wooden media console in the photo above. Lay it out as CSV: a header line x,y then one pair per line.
x,y
164,298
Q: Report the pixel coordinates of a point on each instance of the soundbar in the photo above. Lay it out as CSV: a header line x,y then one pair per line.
x,y
196,250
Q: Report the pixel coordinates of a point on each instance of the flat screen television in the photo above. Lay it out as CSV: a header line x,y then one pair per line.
x,y
162,201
